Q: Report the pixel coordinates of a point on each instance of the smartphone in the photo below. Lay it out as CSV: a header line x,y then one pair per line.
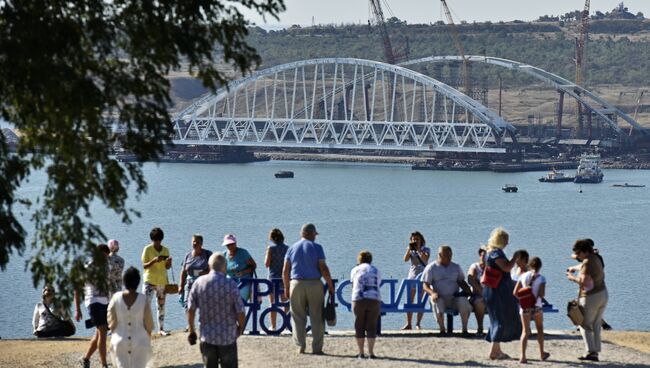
x,y
164,257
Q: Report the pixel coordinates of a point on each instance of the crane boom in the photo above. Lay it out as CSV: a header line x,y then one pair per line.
x,y
379,19
459,46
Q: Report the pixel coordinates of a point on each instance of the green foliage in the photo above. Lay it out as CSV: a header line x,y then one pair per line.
x,y
68,70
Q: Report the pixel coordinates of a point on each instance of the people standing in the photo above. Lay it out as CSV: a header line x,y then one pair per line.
x,y
418,255
240,264
194,264
537,283
221,315
366,302
474,275
521,264
156,261
96,301
49,320
274,260
593,295
304,266
131,323
115,267
441,280
501,305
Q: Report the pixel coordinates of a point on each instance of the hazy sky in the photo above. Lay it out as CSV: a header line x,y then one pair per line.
x,y
429,11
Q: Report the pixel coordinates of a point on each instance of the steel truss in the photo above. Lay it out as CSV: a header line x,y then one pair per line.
x,y
601,108
341,103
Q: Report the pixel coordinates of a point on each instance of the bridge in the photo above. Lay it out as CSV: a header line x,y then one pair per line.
x,y
342,103
605,111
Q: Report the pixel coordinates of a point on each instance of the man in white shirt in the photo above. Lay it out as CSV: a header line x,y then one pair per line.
x,y
442,280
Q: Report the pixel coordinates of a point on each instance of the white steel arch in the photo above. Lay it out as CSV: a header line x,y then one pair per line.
x,y
341,103
591,101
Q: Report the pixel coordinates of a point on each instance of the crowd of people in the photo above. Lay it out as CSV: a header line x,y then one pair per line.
x,y
510,290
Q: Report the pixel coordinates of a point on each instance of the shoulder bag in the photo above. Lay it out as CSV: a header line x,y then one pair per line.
x,y
491,277
67,326
173,287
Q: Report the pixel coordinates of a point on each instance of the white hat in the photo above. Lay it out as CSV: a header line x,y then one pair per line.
x,y
229,239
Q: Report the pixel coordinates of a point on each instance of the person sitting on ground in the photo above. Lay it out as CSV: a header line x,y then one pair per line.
x,y
240,264
131,323
442,280
115,267
418,254
534,280
521,265
50,321
474,280
366,302
274,261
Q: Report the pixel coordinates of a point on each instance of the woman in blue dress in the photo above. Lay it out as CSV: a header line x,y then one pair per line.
x,y
501,305
240,264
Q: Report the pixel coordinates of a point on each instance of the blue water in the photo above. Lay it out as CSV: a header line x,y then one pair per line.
x,y
375,207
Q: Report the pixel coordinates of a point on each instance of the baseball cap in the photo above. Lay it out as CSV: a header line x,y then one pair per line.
x,y
308,228
229,239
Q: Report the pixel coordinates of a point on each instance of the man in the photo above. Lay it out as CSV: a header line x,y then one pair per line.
x,y
221,315
442,279
305,264
156,261
96,301
474,280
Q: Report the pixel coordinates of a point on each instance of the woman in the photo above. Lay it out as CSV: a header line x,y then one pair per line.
x,y
131,323
274,260
366,302
240,264
115,267
194,264
593,295
418,255
474,280
48,324
501,305
156,261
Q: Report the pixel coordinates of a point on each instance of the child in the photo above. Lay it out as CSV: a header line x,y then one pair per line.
x,y
537,282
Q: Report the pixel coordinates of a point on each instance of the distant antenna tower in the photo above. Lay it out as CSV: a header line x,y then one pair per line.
x,y
312,21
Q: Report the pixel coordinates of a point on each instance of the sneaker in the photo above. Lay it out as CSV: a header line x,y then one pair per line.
x,y
85,363
372,356
361,356
591,357
164,333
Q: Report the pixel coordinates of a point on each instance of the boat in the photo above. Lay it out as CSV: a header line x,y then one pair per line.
x,y
589,170
626,185
510,188
555,177
284,174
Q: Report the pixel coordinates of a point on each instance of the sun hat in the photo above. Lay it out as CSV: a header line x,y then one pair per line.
x,y
229,239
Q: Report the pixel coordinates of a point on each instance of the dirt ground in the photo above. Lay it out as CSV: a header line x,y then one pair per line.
x,y
623,349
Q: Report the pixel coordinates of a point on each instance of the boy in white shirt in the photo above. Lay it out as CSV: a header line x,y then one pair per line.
x,y
532,279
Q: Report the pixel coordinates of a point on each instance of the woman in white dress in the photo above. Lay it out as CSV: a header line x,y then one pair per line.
x,y
130,321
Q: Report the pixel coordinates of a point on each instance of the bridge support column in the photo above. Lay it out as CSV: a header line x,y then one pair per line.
x,y
560,111
589,131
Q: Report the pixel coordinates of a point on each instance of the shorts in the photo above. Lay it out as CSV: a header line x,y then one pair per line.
x,y
458,303
98,314
532,311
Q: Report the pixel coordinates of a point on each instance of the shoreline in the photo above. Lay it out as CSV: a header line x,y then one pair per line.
x,y
406,349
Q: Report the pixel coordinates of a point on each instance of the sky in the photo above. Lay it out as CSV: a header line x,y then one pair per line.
x,y
429,11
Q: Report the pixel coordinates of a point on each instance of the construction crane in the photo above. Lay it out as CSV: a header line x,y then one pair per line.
x,y
459,46
381,23
581,41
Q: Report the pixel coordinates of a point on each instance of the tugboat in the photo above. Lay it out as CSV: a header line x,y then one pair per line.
x,y
284,174
510,188
589,170
556,177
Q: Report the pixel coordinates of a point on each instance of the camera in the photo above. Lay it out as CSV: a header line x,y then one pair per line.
x,y
413,246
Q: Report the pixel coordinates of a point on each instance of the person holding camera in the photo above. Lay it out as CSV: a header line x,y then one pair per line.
x,y
156,262
221,315
96,300
418,255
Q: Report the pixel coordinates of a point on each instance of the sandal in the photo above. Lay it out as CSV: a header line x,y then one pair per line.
x,y
545,356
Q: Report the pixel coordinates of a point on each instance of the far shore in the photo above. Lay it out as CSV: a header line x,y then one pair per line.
x,y
394,348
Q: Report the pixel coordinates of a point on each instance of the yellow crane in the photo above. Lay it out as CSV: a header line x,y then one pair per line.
x,y
450,20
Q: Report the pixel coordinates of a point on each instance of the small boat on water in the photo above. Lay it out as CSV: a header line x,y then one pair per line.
x,y
626,185
589,170
284,174
556,177
510,188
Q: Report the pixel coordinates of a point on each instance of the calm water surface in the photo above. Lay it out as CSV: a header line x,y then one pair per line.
x,y
375,207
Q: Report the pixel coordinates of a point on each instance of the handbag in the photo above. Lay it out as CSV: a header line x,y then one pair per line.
x,y
574,312
491,277
173,287
329,311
